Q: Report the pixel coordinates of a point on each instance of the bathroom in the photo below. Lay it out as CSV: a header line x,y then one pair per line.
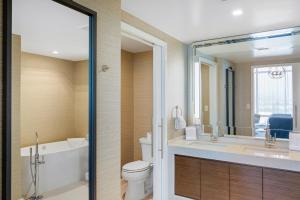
x,y
51,109
179,102
136,116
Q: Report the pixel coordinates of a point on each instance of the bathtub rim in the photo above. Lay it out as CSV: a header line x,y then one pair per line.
x,y
42,153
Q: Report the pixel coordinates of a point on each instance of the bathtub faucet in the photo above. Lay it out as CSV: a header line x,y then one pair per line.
x,y
34,165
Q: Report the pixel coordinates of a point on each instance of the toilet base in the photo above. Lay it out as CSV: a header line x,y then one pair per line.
x,y
138,190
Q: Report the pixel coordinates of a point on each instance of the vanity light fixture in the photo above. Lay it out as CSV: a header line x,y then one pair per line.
x,y
55,52
237,12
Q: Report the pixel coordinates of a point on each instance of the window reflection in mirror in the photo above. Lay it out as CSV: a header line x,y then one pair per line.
x,y
247,84
272,99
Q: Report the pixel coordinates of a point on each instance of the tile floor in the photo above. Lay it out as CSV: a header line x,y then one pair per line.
x,y
80,192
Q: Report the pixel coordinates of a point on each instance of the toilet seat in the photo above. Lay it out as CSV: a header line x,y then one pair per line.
x,y
136,166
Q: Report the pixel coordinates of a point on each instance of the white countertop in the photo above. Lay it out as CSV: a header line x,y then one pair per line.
x,y
238,149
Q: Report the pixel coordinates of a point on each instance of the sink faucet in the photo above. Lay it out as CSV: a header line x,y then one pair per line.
x,y
213,138
270,140
214,134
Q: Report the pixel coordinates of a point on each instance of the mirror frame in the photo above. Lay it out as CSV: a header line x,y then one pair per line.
x,y
247,37
7,94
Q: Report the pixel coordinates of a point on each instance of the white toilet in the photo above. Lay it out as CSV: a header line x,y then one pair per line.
x,y
139,173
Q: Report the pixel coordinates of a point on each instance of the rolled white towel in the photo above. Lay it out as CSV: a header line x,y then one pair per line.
x,y
180,123
294,141
149,137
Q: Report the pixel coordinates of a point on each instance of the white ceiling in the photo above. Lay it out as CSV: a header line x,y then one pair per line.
x,y
195,20
134,46
46,26
260,50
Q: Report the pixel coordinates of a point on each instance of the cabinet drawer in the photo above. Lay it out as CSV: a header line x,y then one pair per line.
x,y
281,185
187,177
245,182
214,180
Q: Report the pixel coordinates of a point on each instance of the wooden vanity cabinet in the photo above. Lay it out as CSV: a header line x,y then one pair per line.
x,y
187,177
281,185
203,179
214,180
246,182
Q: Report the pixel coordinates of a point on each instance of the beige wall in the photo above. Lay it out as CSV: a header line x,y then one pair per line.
x,y
242,98
205,97
15,137
137,102
142,97
127,131
176,81
81,98
54,99
46,99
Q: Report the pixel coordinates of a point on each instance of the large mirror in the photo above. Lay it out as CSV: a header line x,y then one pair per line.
x,y
247,84
50,148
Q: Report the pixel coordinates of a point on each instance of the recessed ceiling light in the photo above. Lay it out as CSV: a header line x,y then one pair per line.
x,y
55,52
237,12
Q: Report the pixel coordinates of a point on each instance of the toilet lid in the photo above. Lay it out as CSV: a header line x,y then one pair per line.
x,y
136,166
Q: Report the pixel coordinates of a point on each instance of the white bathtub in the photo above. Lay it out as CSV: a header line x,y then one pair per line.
x,y
66,163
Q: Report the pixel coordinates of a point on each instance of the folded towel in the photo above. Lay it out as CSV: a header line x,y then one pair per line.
x,y
294,141
190,133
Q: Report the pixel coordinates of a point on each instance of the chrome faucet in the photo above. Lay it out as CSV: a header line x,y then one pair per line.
x,y
35,162
214,135
213,138
270,140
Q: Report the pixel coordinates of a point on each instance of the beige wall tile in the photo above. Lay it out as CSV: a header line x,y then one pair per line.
x,y
142,97
16,137
205,97
47,101
127,131
137,102
81,98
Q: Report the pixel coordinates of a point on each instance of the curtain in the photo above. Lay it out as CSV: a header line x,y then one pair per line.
x,y
273,95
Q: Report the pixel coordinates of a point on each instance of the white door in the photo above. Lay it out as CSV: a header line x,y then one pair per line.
x,y
159,127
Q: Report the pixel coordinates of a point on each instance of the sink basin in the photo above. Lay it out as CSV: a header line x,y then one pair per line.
x,y
269,152
208,144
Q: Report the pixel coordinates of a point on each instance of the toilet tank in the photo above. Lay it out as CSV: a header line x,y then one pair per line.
x,y
146,146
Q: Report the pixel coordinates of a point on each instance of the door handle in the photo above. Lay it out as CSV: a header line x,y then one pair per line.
x,y
161,138
296,115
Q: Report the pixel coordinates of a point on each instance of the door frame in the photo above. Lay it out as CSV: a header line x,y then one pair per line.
x,y
159,122
7,94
